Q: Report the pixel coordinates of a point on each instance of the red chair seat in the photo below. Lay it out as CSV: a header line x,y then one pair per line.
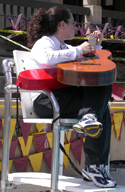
x,y
39,79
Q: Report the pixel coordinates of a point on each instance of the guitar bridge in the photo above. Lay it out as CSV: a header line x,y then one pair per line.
x,y
89,63
86,63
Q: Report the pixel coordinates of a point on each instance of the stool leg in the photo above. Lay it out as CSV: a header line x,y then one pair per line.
x,y
108,166
6,142
7,64
61,154
56,143
55,158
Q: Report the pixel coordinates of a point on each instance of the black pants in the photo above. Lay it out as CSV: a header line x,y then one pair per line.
x,y
75,102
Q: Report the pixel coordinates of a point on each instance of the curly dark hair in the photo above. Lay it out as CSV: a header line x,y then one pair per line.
x,y
46,22
37,26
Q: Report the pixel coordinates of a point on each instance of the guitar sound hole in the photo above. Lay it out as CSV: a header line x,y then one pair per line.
x,y
89,55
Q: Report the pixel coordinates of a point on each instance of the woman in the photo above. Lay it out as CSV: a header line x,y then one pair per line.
x,y
46,35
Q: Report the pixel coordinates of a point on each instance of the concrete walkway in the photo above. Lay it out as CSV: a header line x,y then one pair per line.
x,y
43,182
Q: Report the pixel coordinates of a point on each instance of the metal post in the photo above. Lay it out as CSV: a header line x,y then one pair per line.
x,y
56,143
7,120
61,156
6,142
55,158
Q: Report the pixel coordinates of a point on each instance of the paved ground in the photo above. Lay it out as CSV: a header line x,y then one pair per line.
x,y
27,188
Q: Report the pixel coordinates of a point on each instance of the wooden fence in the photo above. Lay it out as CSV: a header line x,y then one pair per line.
x,y
10,9
114,18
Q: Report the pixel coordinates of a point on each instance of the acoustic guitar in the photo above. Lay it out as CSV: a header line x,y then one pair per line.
x,y
88,71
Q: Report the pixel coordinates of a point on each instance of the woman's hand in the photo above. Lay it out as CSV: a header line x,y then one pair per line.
x,y
99,37
87,48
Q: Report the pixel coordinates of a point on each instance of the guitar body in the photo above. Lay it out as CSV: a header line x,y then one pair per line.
x,y
96,71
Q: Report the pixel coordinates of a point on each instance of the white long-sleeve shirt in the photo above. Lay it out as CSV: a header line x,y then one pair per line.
x,y
47,52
